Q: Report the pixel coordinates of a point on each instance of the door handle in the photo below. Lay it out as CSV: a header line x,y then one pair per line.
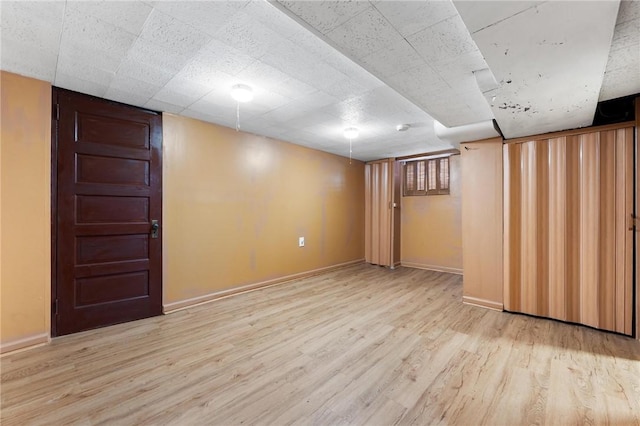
x,y
155,227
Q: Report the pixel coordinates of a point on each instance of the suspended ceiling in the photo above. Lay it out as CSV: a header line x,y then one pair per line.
x,y
318,67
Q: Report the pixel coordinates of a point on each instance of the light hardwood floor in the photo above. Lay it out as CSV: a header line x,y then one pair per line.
x,y
361,345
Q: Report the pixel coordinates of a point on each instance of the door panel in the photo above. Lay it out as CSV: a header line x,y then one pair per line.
x,y
109,171
381,224
103,209
568,247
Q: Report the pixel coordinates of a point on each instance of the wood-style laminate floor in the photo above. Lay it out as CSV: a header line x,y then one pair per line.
x,y
361,345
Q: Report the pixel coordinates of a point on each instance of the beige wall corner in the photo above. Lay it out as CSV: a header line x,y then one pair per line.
x,y
25,212
432,227
482,219
235,204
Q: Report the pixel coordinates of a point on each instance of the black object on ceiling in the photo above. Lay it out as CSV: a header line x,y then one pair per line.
x,y
615,110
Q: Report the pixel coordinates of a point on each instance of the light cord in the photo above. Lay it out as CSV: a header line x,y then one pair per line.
x,y
237,116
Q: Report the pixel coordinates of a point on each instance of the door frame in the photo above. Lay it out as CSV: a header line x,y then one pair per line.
x,y
636,241
54,210
55,115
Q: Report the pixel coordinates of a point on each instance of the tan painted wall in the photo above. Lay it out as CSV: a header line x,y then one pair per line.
x,y
25,229
482,222
431,227
235,205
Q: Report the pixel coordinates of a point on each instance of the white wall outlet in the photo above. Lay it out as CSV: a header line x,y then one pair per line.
x,y
301,242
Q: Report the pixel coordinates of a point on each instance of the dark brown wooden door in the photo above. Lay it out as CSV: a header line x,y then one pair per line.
x,y
108,263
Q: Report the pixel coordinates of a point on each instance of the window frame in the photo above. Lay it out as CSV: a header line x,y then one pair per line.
x,y
411,185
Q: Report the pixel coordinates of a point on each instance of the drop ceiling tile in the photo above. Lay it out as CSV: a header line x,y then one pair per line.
x,y
128,15
186,88
263,101
13,12
76,53
86,70
85,30
366,79
628,11
626,34
76,84
300,107
325,15
392,59
314,73
168,32
624,57
492,12
365,33
175,98
287,52
443,41
157,105
206,16
203,75
344,88
317,118
410,17
323,77
223,58
217,103
373,103
381,104
272,18
154,55
259,74
461,67
248,36
126,97
308,42
315,101
423,77
138,89
32,24
27,60
621,81
293,88
349,113
133,69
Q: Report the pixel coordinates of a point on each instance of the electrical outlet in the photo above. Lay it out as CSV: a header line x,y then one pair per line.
x,y
301,242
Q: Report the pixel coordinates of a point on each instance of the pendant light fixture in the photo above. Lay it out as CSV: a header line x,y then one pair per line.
x,y
241,93
351,133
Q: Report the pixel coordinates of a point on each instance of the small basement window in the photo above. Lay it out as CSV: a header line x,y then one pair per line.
x,y
426,177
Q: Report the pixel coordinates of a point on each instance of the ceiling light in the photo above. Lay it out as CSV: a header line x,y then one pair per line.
x,y
402,127
351,133
242,93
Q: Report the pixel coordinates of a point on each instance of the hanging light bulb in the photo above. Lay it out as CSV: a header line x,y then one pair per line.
x,y
242,93
351,133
